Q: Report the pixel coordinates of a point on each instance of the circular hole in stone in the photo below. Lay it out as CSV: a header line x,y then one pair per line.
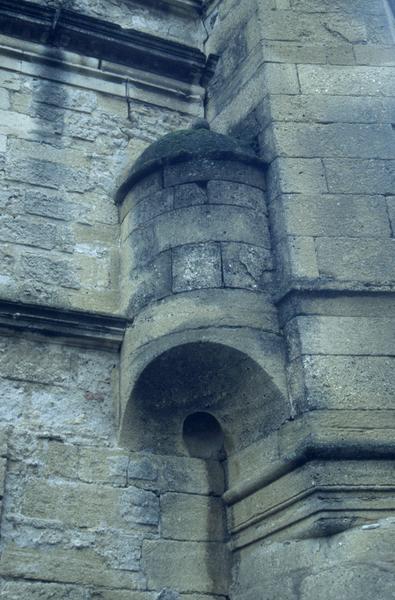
x,y
203,436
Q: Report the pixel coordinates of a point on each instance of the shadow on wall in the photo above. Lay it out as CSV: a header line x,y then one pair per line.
x,y
206,379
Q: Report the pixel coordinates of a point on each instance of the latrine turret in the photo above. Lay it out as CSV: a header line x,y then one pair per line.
x,y
196,278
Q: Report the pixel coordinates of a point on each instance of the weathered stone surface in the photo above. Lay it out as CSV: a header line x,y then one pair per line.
x,y
14,590
186,566
309,84
327,109
226,192
188,517
206,170
83,505
298,258
64,566
48,174
149,207
330,140
196,266
330,215
46,270
152,283
196,225
309,559
244,265
370,336
344,381
346,80
361,260
351,176
297,175
189,194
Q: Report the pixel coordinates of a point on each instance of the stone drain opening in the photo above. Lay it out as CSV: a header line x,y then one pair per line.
x,y
203,436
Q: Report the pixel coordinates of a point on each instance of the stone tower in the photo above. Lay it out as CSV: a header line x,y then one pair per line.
x,y
196,299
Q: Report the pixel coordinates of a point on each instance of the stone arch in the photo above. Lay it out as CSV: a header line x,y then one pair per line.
x,y
201,376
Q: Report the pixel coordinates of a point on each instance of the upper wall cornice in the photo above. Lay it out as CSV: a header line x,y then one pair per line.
x,y
68,30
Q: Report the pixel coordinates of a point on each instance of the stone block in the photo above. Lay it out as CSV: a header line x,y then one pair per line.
x,y
76,157
151,206
352,176
391,211
296,258
48,175
186,566
357,382
281,78
18,590
330,215
331,140
196,266
85,505
42,364
370,261
66,566
50,205
369,336
373,55
19,125
104,594
297,175
196,225
103,466
353,7
41,269
48,92
346,80
189,194
189,475
19,230
10,80
311,28
190,517
148,284
59,459
328,108
4,99
142,468
294,52
244,265
206,170
151,185
237,194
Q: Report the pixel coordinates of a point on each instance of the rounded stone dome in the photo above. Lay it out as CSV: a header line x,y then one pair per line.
x,y
198,142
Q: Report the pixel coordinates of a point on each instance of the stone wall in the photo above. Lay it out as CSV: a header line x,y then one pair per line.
x,y
81,517
64,151
303,507
310,86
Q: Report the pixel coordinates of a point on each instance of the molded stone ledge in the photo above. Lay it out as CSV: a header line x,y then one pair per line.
x,y
318,499
62,325
321,434
76,70
95,37
320,474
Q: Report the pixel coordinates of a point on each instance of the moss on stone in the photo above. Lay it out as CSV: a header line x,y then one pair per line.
x,y
186,145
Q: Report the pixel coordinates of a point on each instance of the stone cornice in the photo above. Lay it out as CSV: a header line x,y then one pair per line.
x,y
62,325
79,33
191,6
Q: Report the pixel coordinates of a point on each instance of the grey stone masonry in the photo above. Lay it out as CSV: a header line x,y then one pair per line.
x,y
214,232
